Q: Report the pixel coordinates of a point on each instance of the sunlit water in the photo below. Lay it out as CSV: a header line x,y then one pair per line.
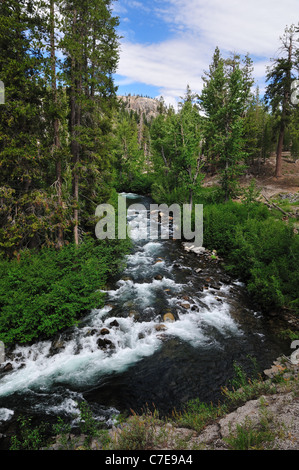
x,y
143,363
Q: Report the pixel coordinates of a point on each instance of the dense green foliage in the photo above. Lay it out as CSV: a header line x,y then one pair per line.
x,y
258,248
42,293
56,126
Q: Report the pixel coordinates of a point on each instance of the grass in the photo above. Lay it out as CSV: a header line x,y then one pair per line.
x,y
140,432
148,431
258,435
196,415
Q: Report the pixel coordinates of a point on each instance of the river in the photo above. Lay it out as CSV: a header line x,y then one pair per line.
x,y
127,355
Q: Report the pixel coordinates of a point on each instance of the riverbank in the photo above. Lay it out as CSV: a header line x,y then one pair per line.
x,y
266,420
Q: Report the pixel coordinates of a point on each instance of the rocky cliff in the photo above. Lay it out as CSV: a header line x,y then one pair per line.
x,y
144,106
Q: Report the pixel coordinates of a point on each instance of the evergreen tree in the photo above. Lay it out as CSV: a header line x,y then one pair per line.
x,y
90,44
56,124
176,143
278,94
24,203
129,157
223,101
257,131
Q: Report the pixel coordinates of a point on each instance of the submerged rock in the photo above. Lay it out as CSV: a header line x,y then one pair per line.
x,y
91,332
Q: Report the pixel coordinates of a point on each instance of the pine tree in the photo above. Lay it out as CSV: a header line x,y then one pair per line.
x,y
91,47
24,205
278,94
223,101
56,124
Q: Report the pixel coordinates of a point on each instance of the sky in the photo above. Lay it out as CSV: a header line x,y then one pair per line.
x,y
168,44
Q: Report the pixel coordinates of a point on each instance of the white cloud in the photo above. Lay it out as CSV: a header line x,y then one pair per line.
x,y
197,28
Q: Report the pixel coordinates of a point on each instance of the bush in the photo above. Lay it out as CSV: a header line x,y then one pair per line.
x,y
258,248
45,292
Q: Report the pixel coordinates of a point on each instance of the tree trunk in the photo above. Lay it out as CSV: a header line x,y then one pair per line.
x,y
278,170
74,142
286,99
56,121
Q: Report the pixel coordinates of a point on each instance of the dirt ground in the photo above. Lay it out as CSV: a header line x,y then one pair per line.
x,y
265,178
280,190
270,185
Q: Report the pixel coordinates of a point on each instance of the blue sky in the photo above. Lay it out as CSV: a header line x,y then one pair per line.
x,y
168,44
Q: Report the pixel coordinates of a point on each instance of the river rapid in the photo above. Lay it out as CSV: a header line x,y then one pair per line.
x,y
128,355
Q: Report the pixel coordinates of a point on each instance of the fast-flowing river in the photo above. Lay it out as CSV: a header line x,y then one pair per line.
x,y
128,355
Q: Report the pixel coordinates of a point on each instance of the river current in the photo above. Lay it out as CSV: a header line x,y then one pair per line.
x,y
128,355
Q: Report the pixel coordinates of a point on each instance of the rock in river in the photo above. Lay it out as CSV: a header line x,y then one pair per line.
x,y
168,317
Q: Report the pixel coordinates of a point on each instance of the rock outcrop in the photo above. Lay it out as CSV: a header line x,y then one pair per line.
x,y
141,105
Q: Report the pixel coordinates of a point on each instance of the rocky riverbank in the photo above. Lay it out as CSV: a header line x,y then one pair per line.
x,y
268,421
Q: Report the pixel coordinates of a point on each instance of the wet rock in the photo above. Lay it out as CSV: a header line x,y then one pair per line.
x,y
104,331
160,327
185,297
168,317
176,265
215,286
7,368
134,314
225,280
158,277
57,345
91,332
104,343
114,323
185,305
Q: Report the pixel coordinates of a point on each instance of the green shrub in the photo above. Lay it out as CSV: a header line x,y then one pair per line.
x,y
258,248
47,291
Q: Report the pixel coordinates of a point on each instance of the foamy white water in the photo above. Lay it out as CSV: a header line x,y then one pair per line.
x,y
131,317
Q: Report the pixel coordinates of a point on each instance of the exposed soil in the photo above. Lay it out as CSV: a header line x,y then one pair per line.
x,y
270,185
265,178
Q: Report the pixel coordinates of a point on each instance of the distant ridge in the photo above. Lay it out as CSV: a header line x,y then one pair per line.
x,y
141,105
